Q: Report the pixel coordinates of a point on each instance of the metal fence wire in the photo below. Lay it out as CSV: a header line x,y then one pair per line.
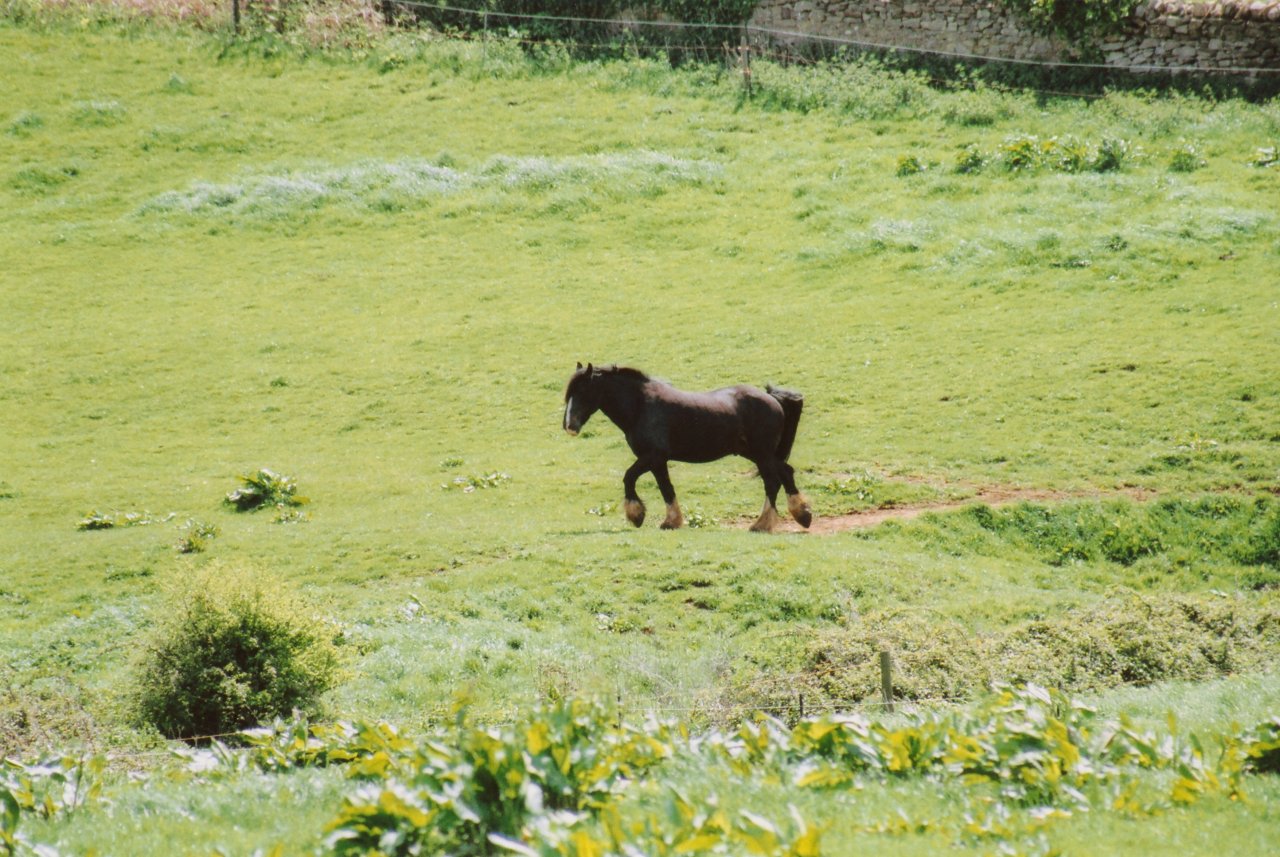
x,y
711,39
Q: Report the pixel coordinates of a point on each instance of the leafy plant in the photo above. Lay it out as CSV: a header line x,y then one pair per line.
x,y
468,484
111,520
970,160
1080,22
480,786
196,536
1267,156
1186,159
1113,154
1068,154
262,489
231,650
908,165
1262,747
1022,153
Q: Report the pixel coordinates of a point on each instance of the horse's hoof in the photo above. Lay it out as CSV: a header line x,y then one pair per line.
x,y
635,511
768,520
675,519
798,506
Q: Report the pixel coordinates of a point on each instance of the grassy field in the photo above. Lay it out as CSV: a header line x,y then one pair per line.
x,y
375,274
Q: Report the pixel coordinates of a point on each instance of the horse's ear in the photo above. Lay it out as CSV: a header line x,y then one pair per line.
x,y
590,368
579,364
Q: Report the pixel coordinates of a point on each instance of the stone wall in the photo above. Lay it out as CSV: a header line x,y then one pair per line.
x,y
1161,34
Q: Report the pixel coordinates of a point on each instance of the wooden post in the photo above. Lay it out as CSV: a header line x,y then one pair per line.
x,y
744,49
235,16
886,679
802,706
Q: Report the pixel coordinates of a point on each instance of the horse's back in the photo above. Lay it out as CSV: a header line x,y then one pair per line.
x,y
739,420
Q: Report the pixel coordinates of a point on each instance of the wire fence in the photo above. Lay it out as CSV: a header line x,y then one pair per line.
x,y
786,46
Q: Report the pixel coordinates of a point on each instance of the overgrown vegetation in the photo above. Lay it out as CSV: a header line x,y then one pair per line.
x,y
1080,22
231,650
1124,641
571,779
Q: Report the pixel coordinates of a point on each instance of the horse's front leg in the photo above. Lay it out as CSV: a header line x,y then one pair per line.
x,y
675,520
632,504
769,518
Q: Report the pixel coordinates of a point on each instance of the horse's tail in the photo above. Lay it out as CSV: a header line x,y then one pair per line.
x,y
792,404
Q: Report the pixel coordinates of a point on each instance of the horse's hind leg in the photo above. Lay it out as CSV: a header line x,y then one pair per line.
x,y
674,520
632,504
797,503
769,519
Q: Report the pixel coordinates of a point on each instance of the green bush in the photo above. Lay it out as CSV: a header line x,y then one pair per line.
x,y
232,650
1080,22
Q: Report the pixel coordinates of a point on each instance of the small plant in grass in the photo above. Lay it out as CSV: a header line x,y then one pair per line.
x,y
1268,156
98,113
469,484
24,123
1113,154
1186,159
970,160
266,488
696,518
1262,747
233,649
1068,154
909,165
196,536
112,520
1021,154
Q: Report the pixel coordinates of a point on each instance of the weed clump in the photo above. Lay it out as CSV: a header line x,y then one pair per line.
x,y
233,651
263,489
196,536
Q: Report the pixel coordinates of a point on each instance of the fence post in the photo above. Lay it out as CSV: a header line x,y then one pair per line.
x,y
235,16
886,679
744,48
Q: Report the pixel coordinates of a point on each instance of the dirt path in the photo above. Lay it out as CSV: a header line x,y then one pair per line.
x,y
990,496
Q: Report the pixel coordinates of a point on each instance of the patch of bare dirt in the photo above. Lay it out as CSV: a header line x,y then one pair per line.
x,y
994,496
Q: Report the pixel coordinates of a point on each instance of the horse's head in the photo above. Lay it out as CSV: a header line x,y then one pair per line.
x,y
581,399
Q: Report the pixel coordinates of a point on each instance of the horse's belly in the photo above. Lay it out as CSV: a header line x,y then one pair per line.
x,y
709,444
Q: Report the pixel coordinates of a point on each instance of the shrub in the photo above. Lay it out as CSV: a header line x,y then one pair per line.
x,y
233,650
1080,22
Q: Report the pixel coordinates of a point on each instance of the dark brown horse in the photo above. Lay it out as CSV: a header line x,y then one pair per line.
x,y
664,424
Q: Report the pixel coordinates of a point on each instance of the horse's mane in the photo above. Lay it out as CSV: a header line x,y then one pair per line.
x,y
625,372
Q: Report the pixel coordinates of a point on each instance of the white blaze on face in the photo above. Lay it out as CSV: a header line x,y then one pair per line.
x,y
568,409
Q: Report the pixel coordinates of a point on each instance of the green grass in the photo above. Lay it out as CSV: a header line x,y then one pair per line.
x,y
377,278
